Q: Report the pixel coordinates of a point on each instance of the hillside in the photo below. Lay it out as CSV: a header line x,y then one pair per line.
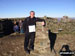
x,y
64,32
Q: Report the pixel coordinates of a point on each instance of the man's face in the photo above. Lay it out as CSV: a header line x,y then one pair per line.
x,y
32,14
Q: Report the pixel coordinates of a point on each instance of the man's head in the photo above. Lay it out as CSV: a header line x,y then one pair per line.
x,y
32,14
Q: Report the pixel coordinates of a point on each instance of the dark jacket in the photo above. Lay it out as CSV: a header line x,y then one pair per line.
x,y
31,21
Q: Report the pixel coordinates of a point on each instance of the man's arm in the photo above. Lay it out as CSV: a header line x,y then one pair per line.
x,y
41,20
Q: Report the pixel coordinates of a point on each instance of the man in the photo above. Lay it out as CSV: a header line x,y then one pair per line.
x,y
29,26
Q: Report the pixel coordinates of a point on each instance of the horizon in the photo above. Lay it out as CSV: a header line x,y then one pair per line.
x,y
39,17
49,8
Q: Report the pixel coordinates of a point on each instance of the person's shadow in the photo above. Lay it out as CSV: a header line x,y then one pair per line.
x,y
52,38
65,51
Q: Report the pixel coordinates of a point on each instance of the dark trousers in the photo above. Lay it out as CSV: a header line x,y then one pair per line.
x,y
29,40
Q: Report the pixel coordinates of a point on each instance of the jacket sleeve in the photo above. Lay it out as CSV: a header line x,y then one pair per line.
x,y
41,20
24,25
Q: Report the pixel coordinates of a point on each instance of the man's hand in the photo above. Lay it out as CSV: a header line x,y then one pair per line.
x,y
43,23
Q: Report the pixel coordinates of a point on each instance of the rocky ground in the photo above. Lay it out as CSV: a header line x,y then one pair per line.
x,y
13,45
